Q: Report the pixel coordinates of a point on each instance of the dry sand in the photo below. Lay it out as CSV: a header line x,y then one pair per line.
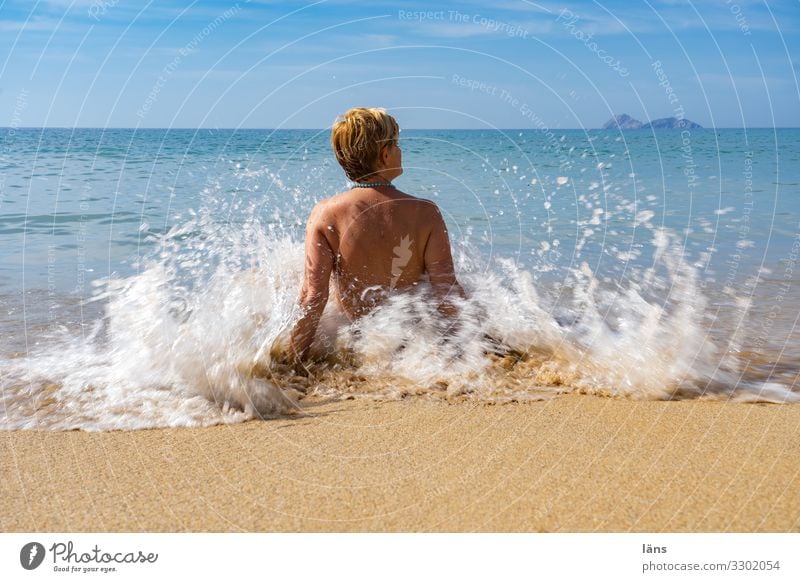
x,y
572,464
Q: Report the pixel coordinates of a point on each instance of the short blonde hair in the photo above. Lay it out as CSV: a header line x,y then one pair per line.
x,y
358,137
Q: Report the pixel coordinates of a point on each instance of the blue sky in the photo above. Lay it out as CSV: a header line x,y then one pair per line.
x,y
509,64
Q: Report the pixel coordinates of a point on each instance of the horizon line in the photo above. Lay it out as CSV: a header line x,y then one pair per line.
x,y
10,127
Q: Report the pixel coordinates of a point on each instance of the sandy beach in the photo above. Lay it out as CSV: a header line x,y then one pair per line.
x,y
572,464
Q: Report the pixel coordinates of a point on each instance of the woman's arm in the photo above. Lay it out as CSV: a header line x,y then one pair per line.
x,y
314,294
439,266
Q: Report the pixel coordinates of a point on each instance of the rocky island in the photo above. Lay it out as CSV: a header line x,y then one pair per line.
x,y
625,121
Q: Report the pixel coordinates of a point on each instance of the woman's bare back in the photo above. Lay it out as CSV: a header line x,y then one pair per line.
x,y
378,239
372,241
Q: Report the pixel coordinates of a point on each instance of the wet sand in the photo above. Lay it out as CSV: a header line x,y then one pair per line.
x,y
572,464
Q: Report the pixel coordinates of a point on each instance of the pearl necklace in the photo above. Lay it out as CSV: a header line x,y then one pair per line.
x,y
372,184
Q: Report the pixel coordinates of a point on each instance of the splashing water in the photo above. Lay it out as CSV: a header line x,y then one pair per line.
x,y
190,340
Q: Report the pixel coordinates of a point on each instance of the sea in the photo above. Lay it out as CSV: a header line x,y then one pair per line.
x,y
149,277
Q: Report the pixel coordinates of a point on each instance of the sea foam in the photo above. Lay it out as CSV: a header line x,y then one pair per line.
x,y
192,338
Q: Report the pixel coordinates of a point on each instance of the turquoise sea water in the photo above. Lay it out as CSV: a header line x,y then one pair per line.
x,y
678,232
